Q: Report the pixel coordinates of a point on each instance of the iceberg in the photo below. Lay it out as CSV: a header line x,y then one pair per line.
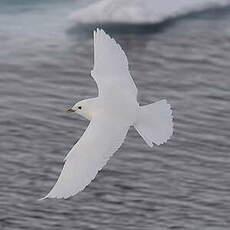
x,y
138,12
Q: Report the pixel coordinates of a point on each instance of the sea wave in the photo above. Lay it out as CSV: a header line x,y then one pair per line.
x,y
136,12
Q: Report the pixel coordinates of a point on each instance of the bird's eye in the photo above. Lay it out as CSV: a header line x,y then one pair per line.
x,y
79,107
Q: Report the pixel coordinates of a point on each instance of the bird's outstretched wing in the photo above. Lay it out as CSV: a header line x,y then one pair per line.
x,y
100,140
111,70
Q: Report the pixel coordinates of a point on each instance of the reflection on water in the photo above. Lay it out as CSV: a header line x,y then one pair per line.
x,y
181,185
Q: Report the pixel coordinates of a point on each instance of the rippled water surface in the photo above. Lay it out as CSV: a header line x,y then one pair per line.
x,y
44,69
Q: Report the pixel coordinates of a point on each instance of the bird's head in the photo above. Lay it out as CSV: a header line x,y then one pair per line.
x,y
83,108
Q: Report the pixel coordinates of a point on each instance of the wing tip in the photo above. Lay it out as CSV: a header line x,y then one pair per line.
x,y
59,194
43,198
102,39
99,32
52,195
55,196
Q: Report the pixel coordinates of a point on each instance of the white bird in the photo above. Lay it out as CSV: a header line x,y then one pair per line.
x,y
111,114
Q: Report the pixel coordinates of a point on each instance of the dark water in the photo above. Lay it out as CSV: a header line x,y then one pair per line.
x,y
183,184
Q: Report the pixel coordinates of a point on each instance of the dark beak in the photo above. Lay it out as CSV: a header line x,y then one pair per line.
x,y
70,110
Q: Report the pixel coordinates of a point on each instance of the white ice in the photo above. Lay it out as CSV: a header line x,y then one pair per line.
x,y
138,11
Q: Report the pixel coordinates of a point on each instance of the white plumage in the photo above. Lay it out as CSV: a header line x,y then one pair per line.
x,y
111,70
110,114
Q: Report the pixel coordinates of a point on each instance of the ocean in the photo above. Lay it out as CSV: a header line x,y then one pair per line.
x,y
45,64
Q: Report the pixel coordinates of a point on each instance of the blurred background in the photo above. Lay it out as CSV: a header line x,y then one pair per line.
x,y
177,50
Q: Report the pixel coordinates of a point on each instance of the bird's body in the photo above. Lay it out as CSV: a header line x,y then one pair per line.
x,y
101,105
111,114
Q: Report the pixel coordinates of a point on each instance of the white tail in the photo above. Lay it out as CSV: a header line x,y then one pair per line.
x,y
154,122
